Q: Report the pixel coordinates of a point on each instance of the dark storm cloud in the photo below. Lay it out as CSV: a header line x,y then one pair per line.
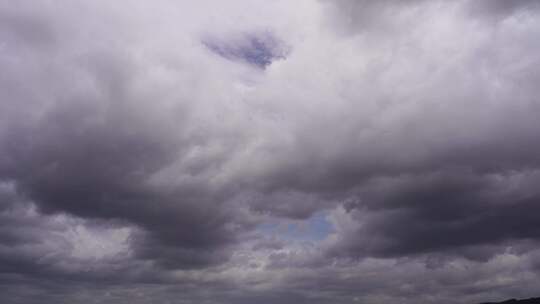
x,y
97,167
34,246
137,165
447,166
444,212
89,150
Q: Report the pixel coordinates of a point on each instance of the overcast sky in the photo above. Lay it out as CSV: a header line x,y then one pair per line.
x,y
256,151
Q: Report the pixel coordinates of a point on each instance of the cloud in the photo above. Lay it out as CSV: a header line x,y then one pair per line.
x,y
443,213
499,8
315,151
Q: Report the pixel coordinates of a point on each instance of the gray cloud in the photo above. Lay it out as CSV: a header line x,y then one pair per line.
x,y
500,8
444,213
378,152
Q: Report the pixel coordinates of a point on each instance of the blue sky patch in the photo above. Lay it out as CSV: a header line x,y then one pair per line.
x,y
257,49
316,228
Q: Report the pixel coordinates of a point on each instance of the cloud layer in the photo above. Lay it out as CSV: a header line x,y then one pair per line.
x,y
307,152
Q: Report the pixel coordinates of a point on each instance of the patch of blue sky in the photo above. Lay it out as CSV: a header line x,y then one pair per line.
x,y
314,229
257,49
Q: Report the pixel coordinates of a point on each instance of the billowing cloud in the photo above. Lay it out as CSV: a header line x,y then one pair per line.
x,y
270,151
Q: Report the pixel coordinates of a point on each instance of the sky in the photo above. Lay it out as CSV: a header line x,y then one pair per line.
x,y
256,151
